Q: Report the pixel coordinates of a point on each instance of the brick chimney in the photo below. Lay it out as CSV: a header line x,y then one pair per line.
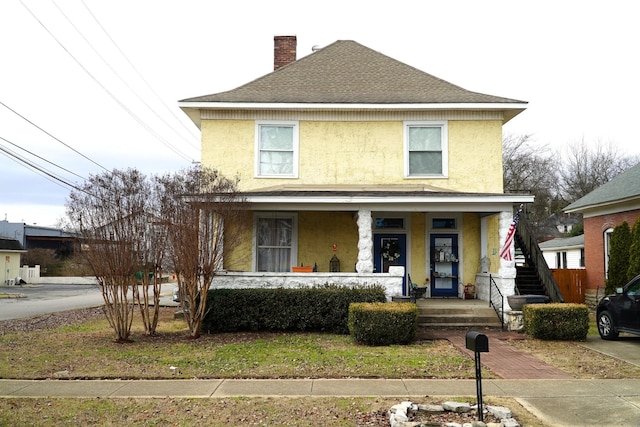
x,y
284,51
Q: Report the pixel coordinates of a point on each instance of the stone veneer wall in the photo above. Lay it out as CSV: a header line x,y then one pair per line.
x,y
392,282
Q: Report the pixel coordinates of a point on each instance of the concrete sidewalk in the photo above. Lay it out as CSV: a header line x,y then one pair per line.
x,y
555,402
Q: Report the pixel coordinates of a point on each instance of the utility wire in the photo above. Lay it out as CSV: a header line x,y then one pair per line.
x,y
144,125
116,73
33,166
141,76
42,158
57,139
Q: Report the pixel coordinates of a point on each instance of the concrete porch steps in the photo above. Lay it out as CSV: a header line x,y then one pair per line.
x,y
443,313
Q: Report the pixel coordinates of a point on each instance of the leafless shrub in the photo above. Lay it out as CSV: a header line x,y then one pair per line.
x,y
112,212
200,209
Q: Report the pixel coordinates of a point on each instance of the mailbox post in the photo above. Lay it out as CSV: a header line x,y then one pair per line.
x,y
478,343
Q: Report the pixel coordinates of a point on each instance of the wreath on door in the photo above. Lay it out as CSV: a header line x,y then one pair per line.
x,y
390,250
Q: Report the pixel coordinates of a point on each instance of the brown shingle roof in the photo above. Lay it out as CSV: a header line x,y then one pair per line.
x,y
10,244
347,72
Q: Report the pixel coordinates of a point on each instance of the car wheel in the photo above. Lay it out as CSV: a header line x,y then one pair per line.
x,y
605,326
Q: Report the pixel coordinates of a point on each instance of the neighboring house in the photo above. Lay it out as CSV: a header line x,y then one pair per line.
x,y
10,251
603,209
564,252
36,237
351,153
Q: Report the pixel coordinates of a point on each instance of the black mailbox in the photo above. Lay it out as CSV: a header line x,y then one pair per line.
x,y
477,342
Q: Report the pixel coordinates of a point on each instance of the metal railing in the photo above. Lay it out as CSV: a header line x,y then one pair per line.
x,y
532,250
496,300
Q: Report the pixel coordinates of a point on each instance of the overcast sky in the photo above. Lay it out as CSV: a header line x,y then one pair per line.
x,y
104,77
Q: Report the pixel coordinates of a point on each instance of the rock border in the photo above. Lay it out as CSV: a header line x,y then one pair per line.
x,y
399,414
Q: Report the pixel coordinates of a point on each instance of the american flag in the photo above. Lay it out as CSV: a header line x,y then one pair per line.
x,y
505,252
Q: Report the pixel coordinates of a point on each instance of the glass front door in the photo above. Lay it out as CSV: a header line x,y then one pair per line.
x,y
444,265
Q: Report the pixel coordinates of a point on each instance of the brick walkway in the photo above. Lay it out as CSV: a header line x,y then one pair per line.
x,y
502,359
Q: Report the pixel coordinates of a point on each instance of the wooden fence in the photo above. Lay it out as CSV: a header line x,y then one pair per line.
x,y
571,283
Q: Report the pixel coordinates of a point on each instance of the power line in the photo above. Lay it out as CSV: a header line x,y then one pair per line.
x,y
42,158
140,75
124,107
57,139
117,74
34,167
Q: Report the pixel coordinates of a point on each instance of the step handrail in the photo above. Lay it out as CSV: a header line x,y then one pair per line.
x,y
496,295
534,253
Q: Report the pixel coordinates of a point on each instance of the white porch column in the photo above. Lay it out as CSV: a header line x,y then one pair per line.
x,y
365,242
507,269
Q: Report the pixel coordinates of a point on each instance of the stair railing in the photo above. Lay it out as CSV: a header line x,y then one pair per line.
x,y
496,300
534,253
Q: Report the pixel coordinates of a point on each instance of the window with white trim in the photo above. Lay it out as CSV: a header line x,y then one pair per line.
x,y
607,250
276,150
275,241
426,149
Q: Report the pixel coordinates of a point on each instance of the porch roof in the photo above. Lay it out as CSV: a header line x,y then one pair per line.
x,y
403,200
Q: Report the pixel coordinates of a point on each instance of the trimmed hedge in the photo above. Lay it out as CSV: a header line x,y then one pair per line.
x,y
567,322
320,308
383,323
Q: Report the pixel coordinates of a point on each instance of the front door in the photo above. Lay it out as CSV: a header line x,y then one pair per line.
x,y
388,250
444,265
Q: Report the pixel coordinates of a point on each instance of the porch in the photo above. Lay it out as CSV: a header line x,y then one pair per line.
x,y
433,312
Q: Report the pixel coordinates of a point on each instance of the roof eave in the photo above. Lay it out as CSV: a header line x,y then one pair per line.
x,y
610,206
434,202
192,109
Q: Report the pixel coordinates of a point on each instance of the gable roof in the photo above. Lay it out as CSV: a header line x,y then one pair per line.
x,y
346,72
622,188
563,243
10,245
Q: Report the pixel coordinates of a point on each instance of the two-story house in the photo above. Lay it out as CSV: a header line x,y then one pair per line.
x,y
355,163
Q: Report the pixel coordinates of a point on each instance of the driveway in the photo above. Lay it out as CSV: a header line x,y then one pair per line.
x,y
626,348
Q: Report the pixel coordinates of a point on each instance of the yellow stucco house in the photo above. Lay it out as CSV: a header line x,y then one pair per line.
x,y
355,164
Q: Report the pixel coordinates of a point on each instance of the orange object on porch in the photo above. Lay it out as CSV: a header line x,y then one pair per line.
x,y
302,269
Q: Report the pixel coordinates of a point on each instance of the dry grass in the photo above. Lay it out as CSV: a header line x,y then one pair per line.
x,y
79,344
283,411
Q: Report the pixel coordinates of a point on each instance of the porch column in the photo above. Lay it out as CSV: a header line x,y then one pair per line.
x,y
365,242
507,270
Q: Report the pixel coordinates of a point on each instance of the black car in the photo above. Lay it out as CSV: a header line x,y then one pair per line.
x,y
620,312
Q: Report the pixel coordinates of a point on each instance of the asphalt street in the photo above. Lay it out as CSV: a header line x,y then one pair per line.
x,y
33,300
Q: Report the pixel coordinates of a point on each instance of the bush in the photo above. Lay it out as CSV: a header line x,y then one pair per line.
x,y
320,308
567,322
383,323
618,258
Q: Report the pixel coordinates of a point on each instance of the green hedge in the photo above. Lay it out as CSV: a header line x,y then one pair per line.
x,y
568,322
383,323
320,308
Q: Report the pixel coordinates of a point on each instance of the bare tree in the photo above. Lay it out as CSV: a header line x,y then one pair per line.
x,y
531,169
200,210
588,166
110,213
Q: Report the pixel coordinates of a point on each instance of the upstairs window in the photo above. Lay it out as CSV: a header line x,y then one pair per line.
x,y
425,149
277,149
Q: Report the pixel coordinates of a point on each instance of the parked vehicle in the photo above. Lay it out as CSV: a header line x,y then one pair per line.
x,y
620,312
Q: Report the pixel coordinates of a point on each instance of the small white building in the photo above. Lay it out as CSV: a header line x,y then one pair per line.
x,y
10,251
564,252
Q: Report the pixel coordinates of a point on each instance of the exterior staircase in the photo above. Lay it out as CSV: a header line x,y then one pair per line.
x,y
534,277
449,313
527,281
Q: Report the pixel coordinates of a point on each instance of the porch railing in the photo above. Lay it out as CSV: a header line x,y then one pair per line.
x,y
496,300
533,251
